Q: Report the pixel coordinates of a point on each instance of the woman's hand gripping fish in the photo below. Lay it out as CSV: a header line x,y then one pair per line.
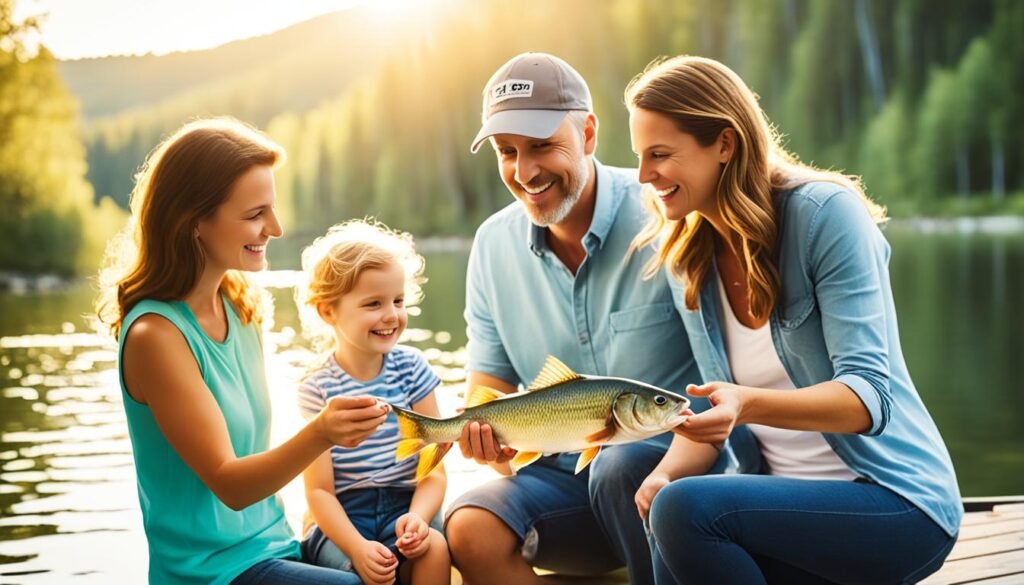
x,y
560,412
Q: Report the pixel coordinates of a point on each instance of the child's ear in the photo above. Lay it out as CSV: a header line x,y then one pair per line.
x,y
326,312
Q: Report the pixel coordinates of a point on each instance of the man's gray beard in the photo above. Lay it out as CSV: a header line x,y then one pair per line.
x,y
573,192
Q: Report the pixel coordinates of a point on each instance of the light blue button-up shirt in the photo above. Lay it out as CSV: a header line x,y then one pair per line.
x,y
835,320
523,304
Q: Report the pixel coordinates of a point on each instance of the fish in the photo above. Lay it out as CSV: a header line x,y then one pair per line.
x,y
560,412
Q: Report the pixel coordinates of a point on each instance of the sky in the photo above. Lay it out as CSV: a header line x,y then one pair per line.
x,y
95,28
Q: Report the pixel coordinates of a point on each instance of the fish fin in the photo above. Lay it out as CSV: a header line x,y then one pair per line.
x,y
430,456
553,373
482,395
603,435
586,457
524,458
607,432
409,447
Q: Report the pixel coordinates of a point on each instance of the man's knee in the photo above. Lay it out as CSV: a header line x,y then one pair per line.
x,y
619,470
476,536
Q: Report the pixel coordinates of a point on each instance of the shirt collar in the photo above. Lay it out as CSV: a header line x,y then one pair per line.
x,y
608,200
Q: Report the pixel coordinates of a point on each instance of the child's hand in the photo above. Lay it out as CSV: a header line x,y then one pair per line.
x,y
374,563
412,533
350,420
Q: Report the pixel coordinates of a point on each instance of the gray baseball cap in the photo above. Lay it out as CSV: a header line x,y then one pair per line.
x,y
530,95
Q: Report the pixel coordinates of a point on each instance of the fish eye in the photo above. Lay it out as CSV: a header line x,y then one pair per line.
x,y
659,400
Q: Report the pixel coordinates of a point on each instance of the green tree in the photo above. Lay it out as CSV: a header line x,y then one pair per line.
x,y
43,191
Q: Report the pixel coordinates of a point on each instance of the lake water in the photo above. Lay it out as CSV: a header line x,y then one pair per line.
x,y
68,505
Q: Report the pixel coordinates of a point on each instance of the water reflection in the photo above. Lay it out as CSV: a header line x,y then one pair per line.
x,y
68,503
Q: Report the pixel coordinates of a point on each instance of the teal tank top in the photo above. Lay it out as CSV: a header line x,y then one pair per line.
x,y
193,536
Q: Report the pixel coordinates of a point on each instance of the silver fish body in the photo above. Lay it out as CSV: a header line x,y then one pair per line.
x,y
561,412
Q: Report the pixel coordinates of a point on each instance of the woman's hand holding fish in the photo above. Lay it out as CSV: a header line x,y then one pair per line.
x,y
477,442
648,489
350,420
716,423
412,533
374,563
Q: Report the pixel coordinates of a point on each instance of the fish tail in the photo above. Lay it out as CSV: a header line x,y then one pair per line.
x,y
412,431
430,457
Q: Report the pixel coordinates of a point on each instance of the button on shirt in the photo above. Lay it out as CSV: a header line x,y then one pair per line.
x,y
523,304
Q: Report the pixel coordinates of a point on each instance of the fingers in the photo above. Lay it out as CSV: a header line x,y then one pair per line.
x,y
361,414
702,390
642,506
422,530
476,443
489,443
352,401
464,442
506,454
707,427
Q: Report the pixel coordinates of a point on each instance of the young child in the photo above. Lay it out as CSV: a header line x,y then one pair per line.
x,y
371,516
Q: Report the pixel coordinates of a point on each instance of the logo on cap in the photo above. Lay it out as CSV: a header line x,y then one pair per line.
x,y
511,88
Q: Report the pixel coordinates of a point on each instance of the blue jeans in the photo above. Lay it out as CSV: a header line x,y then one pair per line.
x,y
755,529
615,476
292,572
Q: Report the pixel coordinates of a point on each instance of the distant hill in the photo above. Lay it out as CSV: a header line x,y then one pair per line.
x,y
129,103
299,65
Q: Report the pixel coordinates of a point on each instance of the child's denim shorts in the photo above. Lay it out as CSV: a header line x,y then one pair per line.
x,y
373,512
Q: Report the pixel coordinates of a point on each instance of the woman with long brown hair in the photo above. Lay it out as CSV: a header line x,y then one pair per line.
x,y
780,275
191,364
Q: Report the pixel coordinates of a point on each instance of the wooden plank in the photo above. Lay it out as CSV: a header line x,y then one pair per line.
x,y
1009,508
976,569
1014,579
994,527
976,518
965,549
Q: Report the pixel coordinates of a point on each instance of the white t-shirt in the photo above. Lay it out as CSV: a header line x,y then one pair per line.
x,y
754,362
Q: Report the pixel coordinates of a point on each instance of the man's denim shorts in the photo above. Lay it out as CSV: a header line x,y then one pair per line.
x,y
549,509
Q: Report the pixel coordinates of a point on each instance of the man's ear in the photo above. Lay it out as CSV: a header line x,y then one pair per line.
x,y
326,312
727,139
590,134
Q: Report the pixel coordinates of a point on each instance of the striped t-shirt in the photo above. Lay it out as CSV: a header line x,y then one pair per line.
x,y
405,379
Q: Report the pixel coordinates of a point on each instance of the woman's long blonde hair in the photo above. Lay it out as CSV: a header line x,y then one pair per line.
x,y
184,179
703,98
332,264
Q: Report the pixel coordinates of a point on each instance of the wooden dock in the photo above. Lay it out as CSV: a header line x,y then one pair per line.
x,y
990,550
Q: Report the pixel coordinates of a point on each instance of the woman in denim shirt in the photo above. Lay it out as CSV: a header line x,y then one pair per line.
x,y
780,275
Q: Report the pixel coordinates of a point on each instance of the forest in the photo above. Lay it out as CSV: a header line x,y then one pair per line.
x,y
376,111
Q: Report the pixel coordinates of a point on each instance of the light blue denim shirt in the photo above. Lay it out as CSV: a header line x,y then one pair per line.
x,y
835,320
523,304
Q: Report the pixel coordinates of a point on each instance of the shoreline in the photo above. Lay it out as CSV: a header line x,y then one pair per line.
x,y
984,224
22,283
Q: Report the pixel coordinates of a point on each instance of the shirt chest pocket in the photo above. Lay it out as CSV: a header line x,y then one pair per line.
x,y
796,311
642,317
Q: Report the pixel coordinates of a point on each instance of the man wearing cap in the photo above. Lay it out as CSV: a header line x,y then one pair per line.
x,y
551,275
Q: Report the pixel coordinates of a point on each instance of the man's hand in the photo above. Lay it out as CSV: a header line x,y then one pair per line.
x,y
477,442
